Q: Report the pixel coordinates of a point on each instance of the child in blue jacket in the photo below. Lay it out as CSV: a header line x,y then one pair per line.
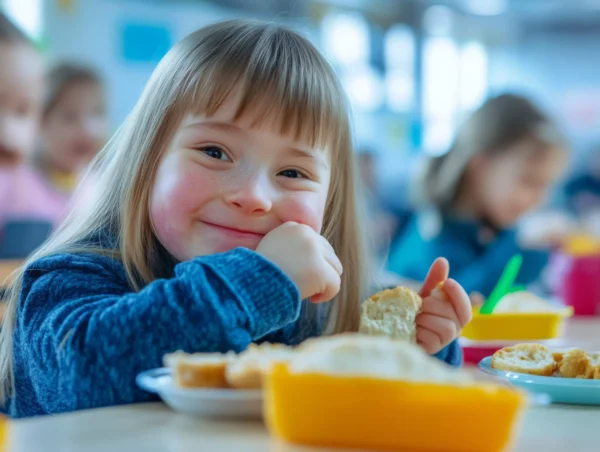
x,y
504,159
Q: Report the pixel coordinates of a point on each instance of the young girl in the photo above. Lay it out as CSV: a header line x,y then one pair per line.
x,y
21,91
228,198
72,132
503,161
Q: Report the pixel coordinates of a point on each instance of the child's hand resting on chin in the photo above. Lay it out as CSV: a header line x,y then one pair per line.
x,y
306,257
445,311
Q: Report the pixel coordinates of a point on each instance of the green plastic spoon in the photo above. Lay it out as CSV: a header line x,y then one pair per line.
x,y
505,283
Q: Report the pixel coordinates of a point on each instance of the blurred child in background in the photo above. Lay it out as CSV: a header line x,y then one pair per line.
x,y
23,207
21,91
73,129
504,159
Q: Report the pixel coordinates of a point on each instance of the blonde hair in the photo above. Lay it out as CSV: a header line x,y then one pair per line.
x,y
496,126
280,75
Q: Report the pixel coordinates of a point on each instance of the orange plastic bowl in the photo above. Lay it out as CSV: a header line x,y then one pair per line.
x,y
369,413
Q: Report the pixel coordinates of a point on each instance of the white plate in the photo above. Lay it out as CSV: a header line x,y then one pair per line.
x,y
216,403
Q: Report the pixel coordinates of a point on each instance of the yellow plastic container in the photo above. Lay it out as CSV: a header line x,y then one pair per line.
x,y
368,413
4,429
518,326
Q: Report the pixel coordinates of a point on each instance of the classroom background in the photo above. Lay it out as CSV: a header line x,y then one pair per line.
x,y
413,71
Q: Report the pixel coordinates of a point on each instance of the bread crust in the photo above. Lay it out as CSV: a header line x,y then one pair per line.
x,y
535,359
574,363
532,359
250,367
199,370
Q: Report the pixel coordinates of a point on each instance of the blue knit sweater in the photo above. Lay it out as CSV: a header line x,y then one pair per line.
x,y
82,334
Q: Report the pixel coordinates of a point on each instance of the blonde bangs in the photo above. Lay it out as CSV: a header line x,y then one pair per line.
x,y
279,80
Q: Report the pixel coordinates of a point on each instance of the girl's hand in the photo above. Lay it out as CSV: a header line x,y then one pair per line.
x,y
306,257
445,311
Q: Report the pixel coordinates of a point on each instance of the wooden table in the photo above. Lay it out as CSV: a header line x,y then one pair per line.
x,y
154,427
6,268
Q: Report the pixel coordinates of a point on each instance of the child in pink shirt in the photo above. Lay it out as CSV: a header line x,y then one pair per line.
x,y
73,129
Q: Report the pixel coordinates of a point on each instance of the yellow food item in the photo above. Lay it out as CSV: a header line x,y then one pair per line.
x,y
308,402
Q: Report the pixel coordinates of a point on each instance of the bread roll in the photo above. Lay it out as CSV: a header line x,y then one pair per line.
x,y
391,313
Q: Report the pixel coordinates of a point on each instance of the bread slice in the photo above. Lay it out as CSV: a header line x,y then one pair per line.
x,y
199,370
574,363
595,359
250,367
392,313
533,359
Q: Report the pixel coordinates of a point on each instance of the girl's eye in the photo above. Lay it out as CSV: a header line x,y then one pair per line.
x,y
214,152
292,174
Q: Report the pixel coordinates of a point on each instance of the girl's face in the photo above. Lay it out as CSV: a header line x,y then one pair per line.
x,y
21,93
514,181
74,129
224,184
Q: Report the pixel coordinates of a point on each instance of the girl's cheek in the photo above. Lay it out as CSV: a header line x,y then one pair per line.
x,y
304,208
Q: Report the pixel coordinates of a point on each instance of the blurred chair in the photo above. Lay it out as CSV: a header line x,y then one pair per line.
x,y
22,237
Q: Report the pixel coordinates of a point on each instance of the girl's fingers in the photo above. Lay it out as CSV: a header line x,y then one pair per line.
x,y
437,273
460,301
429,341
444,328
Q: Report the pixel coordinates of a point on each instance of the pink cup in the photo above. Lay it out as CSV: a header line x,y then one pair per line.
x,y
576,280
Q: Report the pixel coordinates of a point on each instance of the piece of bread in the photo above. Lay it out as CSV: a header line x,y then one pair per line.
x,y
595,359
248,370
574,363
391,313
533,359
199,370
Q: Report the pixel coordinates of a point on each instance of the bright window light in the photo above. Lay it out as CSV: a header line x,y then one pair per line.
x,y
399,88
441,60
27,14
473,75
365,88
346,38
399,48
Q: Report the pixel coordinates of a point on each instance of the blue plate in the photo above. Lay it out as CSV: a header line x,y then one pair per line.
x,y
560,390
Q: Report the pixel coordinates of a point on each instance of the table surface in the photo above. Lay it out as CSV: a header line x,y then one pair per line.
x,y
154,427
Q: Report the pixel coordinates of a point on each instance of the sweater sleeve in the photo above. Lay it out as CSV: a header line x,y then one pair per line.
x,y
451,354
85,335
